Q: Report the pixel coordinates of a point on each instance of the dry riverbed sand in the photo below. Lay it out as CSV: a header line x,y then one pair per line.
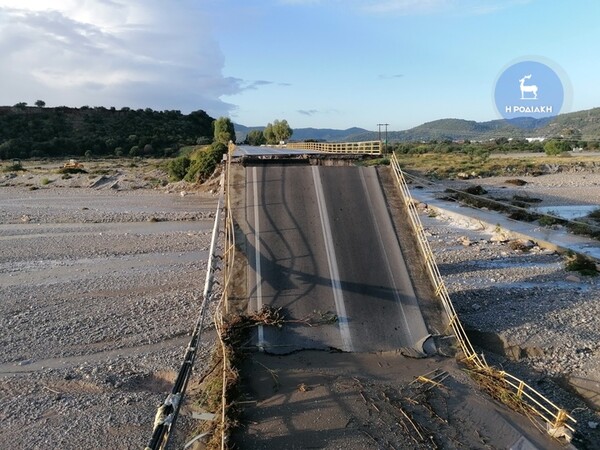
x,y
101,277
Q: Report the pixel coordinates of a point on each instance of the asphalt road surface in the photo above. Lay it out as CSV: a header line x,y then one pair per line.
x,y
321,243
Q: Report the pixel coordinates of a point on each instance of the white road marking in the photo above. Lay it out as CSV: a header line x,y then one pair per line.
x,y
334,272
259,299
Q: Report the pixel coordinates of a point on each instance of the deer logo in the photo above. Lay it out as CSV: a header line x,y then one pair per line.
x,y
528,88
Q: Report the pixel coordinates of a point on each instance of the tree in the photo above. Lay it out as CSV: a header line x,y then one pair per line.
x,y
269,134
256,138
21,105
223,130
40,103
554,147
277,132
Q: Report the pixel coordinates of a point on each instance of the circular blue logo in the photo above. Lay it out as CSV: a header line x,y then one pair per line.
x,y
529,89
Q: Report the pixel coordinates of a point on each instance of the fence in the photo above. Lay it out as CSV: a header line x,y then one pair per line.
x,y
364,148
519,391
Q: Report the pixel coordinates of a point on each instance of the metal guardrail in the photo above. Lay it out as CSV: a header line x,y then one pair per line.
x,y
551,414
363,148
167,413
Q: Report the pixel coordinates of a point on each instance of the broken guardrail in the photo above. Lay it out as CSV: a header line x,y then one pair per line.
x,y
520,395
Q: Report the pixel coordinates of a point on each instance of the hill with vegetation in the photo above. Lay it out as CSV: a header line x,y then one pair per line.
x,y
304,134
581,125
36,132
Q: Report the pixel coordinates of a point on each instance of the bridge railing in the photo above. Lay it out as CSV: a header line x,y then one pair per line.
x,y
520,396
365,147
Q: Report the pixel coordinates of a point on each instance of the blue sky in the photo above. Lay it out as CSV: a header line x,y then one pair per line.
x,y
317,63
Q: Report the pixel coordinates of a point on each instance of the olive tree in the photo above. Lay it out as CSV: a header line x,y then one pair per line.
x,y
277,131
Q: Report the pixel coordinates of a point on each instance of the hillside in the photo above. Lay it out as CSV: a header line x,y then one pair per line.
x,y
303,134
27,132
583,125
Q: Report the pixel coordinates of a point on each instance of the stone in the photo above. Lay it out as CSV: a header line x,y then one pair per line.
x,y
464,240
521,245
573,278
498,237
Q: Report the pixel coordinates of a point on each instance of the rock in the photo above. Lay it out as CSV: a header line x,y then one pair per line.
x,y
593,425
183,193
521,244
516,182
463,176
476,190
475,306
498,237
573,278
464,240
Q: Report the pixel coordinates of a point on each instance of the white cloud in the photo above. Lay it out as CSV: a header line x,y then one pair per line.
x,y
137,53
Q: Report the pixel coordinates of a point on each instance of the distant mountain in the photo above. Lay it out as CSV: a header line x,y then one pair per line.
x,y
302,134
584,125
327,134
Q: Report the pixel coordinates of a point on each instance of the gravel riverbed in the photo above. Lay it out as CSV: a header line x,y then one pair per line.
x,y
522,307
100,290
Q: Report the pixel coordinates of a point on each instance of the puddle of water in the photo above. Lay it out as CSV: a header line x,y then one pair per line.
x,y
568,212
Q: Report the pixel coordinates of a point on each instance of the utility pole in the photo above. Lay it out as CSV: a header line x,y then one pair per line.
x,y
386,126
379,133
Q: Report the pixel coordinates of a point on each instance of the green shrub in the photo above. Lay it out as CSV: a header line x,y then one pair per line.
x,y
595,214
581,264
71,170
15,167
45,181
376,162
553,148
547,221
178,168
579,228
205,163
